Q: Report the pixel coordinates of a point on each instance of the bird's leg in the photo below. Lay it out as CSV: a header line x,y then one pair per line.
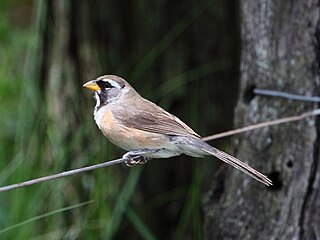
x,y
136,156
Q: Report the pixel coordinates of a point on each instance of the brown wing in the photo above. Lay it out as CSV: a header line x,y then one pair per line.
x,y
147,116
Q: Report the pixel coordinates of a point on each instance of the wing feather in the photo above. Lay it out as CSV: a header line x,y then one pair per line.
x,y
147,116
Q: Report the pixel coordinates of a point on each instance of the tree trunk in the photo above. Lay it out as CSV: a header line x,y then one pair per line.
x,y
280,51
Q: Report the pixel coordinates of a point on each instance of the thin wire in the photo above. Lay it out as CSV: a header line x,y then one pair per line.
x,y
62,174
121,160
286,95
264,124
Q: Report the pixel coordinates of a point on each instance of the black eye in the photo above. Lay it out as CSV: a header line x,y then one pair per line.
x,y
104,84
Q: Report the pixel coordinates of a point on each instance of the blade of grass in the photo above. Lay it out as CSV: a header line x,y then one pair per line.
x,y
196,187
165,197
122,201
168,39
48,214
139,225
184,78
187,212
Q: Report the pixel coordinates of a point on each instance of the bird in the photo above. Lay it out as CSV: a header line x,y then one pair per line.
x,y
147,131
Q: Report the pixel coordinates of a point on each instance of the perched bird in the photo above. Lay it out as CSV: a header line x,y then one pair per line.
x,y
146,130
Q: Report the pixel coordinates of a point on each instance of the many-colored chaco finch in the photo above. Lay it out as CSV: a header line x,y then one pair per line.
x,y
148,131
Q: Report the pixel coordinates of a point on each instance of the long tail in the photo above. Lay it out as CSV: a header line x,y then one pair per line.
x,y
236,163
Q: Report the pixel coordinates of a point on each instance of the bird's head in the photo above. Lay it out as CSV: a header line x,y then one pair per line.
x,y
109,88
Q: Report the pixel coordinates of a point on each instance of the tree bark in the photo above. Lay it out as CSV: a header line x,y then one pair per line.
x,y
280,51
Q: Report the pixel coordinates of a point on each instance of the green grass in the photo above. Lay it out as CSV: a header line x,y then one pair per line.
x,y
92,205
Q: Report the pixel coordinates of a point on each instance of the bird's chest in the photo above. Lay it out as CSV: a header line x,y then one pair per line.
x,y
126,137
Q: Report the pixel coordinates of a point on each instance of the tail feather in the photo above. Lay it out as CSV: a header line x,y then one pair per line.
x,y
196,147
236,163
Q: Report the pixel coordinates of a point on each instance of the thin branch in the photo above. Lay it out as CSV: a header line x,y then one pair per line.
x,y
272,93
121,160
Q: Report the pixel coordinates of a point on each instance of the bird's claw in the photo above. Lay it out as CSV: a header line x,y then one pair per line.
x,y
131,163
133,160
143,160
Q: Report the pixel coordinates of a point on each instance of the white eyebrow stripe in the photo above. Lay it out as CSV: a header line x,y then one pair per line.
x,y
113,83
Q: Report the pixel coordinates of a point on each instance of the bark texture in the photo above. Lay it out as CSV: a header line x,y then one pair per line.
x,y
280,51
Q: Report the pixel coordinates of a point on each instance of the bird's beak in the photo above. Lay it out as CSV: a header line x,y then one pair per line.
x,y
91,85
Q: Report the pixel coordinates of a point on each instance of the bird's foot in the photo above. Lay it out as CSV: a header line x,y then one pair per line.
x,y
143,160
136,157
135,161
131,163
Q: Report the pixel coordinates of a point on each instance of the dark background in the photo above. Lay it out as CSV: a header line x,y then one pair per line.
x,y
184,56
